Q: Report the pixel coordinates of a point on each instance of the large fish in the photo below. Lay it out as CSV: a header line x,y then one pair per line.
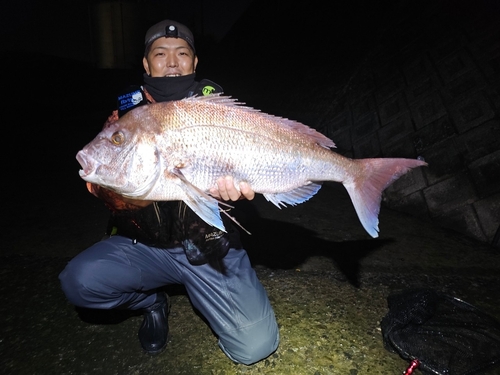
x,y
177,150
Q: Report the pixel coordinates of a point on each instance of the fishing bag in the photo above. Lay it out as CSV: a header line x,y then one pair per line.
x,y
441,334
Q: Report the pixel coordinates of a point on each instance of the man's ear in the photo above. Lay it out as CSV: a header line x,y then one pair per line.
x,y
145,64
195,63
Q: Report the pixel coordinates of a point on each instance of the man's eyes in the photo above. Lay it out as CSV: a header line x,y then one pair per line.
x,y
161,54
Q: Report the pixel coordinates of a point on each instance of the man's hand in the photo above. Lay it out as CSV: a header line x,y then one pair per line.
x,y
227,191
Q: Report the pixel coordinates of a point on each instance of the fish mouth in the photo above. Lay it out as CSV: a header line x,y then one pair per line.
x,y
88,164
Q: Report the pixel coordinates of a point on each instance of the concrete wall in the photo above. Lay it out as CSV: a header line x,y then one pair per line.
x,y
430,88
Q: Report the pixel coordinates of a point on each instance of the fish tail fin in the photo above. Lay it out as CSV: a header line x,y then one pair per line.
x,y
366,188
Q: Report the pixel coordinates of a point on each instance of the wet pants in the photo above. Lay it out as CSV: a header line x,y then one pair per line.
x,y
118,273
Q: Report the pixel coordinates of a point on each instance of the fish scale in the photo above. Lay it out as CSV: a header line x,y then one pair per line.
x,y
266,173
185,146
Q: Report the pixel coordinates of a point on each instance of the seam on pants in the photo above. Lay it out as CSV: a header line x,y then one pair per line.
x,y
223,289
240,327
141,281
229,297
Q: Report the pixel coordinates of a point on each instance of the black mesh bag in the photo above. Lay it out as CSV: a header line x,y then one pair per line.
x,y
441,334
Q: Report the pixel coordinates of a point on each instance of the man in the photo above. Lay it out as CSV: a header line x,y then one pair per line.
x,y
153,244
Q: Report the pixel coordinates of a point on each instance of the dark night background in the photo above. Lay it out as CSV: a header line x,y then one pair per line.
x,y
63,63
387,78
256,49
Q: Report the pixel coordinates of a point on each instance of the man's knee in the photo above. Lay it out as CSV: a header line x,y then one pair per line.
x,y
89,282
248,346
73,280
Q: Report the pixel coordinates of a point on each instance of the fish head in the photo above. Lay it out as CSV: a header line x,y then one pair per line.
x,y
123,157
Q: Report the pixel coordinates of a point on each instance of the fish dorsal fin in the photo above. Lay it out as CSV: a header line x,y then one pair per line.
x,y
228,101
295,196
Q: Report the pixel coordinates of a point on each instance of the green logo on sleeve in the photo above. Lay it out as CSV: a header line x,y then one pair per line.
x,y
207,90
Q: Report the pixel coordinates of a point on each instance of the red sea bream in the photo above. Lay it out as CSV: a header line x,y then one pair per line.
x,y
177,150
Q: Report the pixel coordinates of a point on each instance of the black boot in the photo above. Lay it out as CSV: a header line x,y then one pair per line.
x,y
153,333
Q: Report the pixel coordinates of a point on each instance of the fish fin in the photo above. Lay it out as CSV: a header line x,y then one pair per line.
x,y
295,196
227,101
203,205
366,189
225,212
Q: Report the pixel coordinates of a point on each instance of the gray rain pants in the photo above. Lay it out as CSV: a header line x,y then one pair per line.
x,y
118,273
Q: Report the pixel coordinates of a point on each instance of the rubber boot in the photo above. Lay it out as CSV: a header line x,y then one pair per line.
x,y
153,333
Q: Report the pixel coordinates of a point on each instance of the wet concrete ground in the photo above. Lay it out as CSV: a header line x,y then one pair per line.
x,y
327,279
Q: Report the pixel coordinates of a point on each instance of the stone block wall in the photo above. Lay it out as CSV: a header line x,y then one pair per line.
x,y
430,88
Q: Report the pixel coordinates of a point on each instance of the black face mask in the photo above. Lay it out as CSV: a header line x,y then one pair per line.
x,y
164,89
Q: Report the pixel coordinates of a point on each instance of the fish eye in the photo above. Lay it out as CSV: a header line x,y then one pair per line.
x,y
117,138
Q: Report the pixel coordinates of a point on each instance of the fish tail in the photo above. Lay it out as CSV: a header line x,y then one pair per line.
x,y
366,187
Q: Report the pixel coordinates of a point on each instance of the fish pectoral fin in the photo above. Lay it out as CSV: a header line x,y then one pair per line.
x,y
207,210
225,212
202,204
295,196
